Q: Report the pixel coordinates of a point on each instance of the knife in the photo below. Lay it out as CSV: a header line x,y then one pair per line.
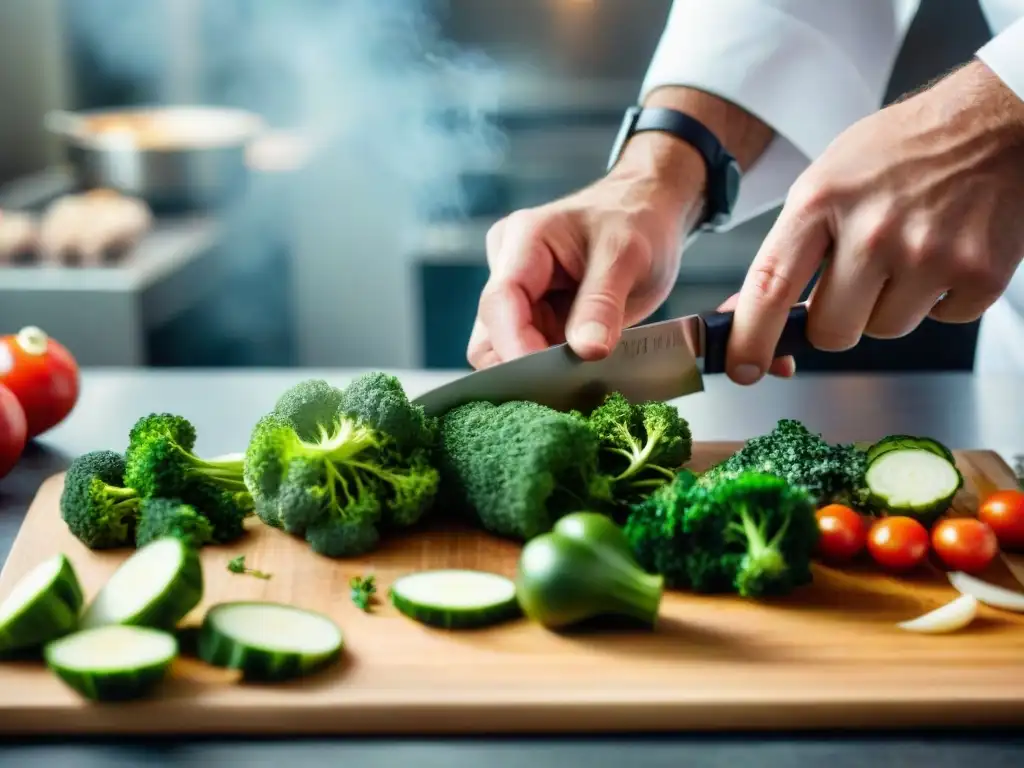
x,y
656,361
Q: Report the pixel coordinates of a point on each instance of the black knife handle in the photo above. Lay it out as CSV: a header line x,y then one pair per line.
x,y
718,325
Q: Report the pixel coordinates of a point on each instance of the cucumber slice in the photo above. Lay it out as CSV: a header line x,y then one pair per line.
x,y
897,442
155,587
268,642
915,482
112,663
455,599
43,606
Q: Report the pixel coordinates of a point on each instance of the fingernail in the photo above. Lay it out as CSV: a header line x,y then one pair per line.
x,y
746,373
592,334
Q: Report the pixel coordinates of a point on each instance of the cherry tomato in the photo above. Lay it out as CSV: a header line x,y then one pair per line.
x,y
965,544
13,430
42,374
843,533
1003,512
898,543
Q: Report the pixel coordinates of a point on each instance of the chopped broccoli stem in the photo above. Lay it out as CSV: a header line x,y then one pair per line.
x,y
362,591
237,565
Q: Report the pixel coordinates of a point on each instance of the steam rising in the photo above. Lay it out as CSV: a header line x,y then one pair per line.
x,y
395,114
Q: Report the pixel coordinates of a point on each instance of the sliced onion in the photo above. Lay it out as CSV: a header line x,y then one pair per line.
x,y
950,617
1015,567
984,592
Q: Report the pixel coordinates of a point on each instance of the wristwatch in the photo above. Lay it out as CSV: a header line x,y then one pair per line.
x,y
723,172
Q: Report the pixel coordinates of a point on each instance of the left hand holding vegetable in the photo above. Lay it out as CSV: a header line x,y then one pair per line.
x,y
915,213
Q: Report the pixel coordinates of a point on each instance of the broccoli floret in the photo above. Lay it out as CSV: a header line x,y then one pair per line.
x,y
519,466
160,461
318,469
160,517
226,510
643,445
753,534
829,473
379,401
95,504
654,529
308,405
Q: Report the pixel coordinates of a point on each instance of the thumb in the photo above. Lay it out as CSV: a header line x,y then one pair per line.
x,y
616,264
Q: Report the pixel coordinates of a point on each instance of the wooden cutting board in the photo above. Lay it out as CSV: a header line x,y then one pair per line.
x,y
830,656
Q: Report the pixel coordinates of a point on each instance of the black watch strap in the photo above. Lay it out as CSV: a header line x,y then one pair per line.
x,y
723,173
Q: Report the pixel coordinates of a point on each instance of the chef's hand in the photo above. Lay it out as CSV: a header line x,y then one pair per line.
x,y
917,202
582,268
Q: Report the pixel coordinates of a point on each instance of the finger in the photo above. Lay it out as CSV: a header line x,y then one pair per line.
x,y
596,319
902,305
487,359
845,295
479,344
782,268
494,239
783,367
520,275
964,305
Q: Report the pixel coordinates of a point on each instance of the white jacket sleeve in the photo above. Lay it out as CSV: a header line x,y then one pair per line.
x,y
1004,55
807,68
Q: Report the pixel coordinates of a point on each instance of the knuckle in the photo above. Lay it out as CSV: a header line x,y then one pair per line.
x,y
623,244
769,283
810,194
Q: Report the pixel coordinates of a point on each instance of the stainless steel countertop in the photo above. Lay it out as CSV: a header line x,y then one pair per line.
x,y
959,409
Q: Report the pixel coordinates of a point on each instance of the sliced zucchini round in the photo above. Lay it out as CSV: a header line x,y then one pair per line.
x,y
268,642
905,442
112,663
156,586
455,599
43,605
915,482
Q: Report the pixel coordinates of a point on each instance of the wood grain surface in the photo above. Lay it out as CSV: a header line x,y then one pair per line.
x,y
828,656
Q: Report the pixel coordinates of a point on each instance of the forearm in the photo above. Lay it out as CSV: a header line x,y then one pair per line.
x,y
673,169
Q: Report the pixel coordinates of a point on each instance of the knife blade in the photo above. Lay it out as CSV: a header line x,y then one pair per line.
x,y
656,361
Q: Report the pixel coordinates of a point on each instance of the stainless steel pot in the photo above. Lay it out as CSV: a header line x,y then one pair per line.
x,y
174,158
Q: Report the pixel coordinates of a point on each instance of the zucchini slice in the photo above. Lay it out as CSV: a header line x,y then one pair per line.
x,y
112,663
898,442
268,642
455,599
43,606
915,482
156,586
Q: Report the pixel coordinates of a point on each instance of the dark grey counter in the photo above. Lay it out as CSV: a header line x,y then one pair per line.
x,y
961,410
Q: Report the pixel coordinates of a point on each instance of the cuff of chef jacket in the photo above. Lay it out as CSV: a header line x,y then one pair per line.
x,y
1004,55
782,69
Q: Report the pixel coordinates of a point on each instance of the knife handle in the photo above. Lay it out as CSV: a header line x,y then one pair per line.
x,y
718,326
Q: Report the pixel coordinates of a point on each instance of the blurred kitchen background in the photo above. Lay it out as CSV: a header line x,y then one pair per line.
x,y
350,230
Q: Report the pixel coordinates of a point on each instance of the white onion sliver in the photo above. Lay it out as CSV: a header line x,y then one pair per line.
x,y
984,592
950,617
1014,566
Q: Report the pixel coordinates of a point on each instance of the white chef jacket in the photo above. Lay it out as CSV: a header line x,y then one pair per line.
x,y
810,69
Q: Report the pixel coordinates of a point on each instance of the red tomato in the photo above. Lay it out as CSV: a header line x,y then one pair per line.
x,y
898,543
843,532
964,544
1003,512
42,374
13,430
